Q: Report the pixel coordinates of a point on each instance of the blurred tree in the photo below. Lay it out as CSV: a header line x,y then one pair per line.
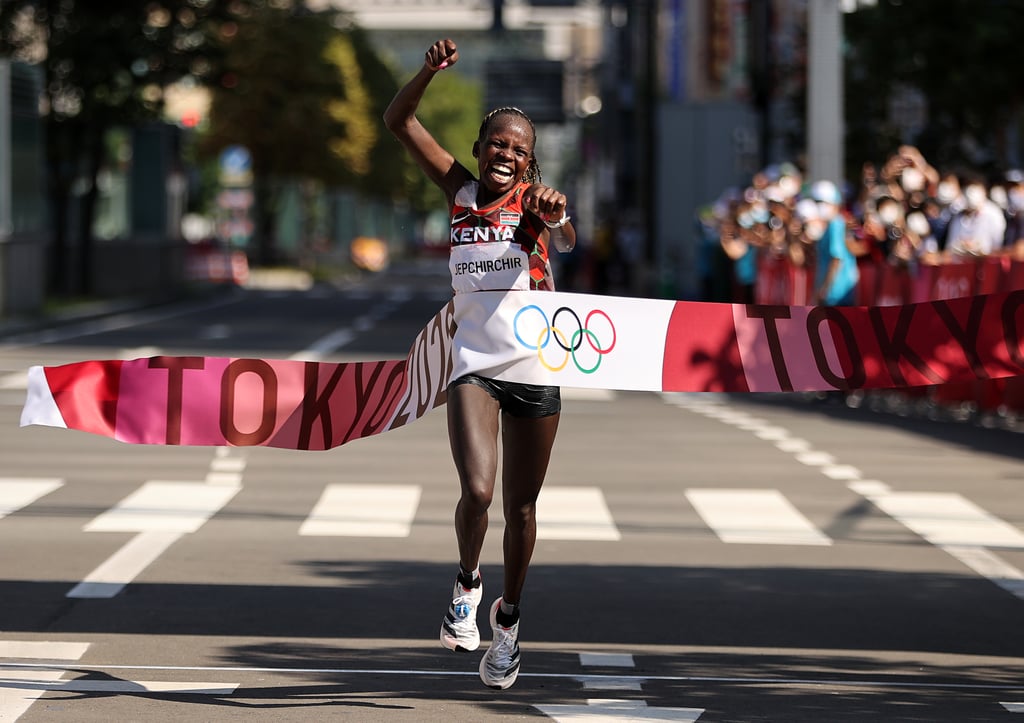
x,y
105,65
272,98
304,92
962,55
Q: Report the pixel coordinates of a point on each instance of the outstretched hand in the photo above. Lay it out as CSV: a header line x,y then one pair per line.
x,y
441,54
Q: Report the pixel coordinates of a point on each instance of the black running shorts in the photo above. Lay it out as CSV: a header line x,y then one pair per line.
x,y
518,400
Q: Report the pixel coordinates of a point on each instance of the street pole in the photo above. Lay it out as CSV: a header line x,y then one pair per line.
x,y
824,92
6,209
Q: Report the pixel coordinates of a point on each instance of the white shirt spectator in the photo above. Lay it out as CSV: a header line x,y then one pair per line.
x,y
978,229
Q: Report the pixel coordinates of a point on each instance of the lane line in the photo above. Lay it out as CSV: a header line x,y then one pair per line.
x,y
350,510
751,516
161,513
1013,707
325,345
837,682
574,513
124,320
125,565
18,492
17,682
947,520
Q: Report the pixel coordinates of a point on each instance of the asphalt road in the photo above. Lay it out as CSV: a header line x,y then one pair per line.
x,y
702,557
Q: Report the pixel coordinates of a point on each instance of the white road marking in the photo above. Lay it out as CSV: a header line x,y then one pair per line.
x,y
225,469
139,352
125,565
348,510
841,472
14,381
574,513
813,458
987,564
609,710
164,506
611,684
15,700
161,512
31,681
608,660
754,517
325,345
578,394
1013,707
415,672
793,445
16,492
41,650
772,434
945,518
869,487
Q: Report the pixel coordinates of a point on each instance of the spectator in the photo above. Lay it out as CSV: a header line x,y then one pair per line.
x,y
978,229
1013,239
837,275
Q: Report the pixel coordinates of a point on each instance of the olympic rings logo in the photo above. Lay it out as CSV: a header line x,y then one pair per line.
x,y
540,332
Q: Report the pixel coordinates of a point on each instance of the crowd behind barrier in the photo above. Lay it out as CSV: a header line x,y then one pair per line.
x,y
906,233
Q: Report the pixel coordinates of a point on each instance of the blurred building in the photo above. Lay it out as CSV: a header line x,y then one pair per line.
x,y
23,224
664,104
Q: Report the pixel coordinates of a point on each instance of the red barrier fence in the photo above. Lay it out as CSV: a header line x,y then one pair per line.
x,y
881,284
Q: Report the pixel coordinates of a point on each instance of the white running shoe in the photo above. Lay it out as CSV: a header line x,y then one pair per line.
x,y
500,665
458,629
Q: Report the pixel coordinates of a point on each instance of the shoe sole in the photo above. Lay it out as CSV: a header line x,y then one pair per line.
x,y
503,685
505,682
454,645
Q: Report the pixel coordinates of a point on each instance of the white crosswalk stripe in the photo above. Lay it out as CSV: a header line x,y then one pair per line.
x,y
16,493
754,517
347,510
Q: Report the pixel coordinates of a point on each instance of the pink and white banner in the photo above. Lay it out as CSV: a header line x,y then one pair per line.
x,y
573,340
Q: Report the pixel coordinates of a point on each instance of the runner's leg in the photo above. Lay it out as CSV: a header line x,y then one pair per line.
x,y
527,444
473,435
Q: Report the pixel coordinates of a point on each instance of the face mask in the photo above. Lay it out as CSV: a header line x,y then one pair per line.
x,y
975,196
998,197
917,223
815,230
947,192
889,213
912,179
789,186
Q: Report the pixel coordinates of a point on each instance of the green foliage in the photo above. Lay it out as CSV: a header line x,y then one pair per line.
x,y
273,93
962,54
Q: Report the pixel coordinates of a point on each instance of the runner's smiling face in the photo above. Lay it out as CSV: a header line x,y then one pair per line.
x,y
504,153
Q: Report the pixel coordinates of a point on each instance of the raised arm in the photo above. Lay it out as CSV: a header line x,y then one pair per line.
x,y
400,118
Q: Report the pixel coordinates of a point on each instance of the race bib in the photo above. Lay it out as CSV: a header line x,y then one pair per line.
x,y
493,266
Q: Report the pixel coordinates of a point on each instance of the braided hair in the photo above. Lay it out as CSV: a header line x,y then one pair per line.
x,y
532,174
